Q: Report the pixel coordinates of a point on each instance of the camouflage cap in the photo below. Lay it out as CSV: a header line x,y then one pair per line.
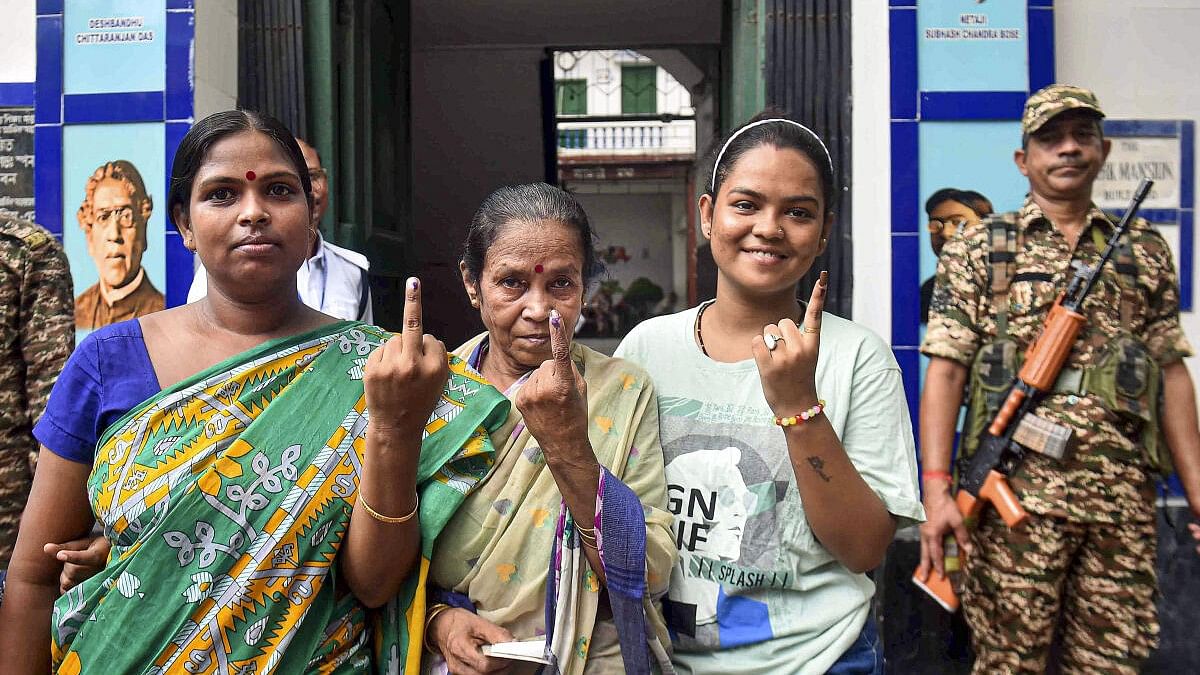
x,y
1050,101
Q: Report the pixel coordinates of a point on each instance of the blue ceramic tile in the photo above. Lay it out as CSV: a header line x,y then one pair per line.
x,y
971,105
47,177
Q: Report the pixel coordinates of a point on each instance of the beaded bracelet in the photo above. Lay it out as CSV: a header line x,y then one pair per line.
x,y
802,417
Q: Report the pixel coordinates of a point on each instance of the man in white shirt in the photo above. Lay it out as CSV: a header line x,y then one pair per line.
x,y
333,279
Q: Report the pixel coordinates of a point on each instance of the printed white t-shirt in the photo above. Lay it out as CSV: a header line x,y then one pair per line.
x,y
754,591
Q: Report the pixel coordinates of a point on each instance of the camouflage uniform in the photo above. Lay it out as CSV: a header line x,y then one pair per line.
x,y
1092,517
37,333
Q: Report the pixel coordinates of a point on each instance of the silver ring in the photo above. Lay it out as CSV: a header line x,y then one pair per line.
x,y
772,341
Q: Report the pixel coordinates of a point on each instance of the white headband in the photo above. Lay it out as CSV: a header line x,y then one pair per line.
x,y
712,185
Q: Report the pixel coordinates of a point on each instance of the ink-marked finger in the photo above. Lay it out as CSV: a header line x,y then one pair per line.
x,y
413,326
560,348
816,305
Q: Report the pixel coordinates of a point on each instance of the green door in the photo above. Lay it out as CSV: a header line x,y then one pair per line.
x,y
639,91
571,97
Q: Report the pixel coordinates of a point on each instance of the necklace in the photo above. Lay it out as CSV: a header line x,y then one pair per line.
x,y
699,333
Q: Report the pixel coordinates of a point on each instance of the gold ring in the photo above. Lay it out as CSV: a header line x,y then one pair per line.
x,y
806,329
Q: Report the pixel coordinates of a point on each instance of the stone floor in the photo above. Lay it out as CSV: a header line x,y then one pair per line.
x,y
919,637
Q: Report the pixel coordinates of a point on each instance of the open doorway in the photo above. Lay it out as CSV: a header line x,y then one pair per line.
x,y
482,74
625,144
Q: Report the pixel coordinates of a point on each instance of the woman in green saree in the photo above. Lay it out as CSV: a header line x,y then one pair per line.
x,y
568,538
263,473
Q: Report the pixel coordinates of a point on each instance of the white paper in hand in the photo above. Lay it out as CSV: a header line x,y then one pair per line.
x,y
533,651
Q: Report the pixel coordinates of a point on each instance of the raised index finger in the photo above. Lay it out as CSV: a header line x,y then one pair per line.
x,y
560,347
816,304
413,327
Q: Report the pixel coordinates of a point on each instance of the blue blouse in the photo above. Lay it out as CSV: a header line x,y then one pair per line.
x,y
108,375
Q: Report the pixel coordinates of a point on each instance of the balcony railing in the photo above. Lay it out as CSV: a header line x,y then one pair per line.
x,y
582,139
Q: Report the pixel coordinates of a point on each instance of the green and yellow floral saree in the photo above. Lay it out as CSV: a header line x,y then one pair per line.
x,y
226,498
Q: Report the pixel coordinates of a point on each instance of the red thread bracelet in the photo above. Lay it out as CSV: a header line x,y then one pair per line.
x,y
936,475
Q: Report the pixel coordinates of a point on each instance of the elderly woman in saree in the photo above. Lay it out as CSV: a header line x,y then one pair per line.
x,y
568,537
263,473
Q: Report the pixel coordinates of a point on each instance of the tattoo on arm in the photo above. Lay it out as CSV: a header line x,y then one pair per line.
x,y
818,465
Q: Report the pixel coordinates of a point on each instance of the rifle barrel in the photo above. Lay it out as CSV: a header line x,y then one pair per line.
x,y
1139,195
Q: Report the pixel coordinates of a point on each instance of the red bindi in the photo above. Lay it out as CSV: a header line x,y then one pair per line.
x,y
250,175
538,268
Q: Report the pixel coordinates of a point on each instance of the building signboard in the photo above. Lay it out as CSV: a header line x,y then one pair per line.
x,y
16,162
1134,158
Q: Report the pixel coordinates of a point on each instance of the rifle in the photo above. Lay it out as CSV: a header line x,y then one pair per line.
x,y
984,478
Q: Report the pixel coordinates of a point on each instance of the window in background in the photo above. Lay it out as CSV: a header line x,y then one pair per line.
x,y
571,96
639,94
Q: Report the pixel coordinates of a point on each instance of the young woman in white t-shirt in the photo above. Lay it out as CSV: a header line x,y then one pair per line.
x,y
789,451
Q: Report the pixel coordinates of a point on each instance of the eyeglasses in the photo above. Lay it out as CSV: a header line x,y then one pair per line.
x,y
122,216
939,225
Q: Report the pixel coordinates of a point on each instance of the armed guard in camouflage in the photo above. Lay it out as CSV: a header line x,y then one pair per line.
x,y
1087,553
37,333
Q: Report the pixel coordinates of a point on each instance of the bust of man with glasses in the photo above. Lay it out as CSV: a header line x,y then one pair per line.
x,y
113,217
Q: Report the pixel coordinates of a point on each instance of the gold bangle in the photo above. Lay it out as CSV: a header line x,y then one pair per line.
x,y
429,617
388,519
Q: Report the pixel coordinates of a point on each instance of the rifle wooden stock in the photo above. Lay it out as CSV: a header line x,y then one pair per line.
x,y
1045,361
